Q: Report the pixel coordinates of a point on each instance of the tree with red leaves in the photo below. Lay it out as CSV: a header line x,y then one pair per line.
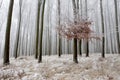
x,y
77,30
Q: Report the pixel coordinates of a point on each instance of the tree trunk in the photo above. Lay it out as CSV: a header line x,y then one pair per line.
x,y
103,38
59,40
80,47
18,33
37,31
41,35
75,51
87,43
80,42
75,40
7,34
117,24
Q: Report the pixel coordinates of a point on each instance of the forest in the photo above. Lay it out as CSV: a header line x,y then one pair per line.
x,y
59,40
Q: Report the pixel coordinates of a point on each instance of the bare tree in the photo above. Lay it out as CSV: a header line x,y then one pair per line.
x,y
59,41
87,43
102,21
37,29
7,34
18,31
80,42
117,24
41,35
49,27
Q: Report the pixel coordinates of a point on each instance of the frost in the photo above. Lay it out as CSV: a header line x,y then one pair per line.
x,y
54,68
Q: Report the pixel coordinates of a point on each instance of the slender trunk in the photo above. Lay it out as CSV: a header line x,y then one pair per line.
x,y
80,42
49,38
87,43
75,51
87,49
109,21
103,38
80,47
49,32
59,41
49,44
75,40
117,24
37,31
18,33
7,34
26,50
41,35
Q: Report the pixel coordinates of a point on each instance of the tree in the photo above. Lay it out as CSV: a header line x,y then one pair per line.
x,y
7,34
87,43
117,24
18,31
76,30
37,29
103,38
41,35
80,43
49,27
75,40
59,41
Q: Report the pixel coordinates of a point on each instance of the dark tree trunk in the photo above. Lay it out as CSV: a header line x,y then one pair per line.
x,y
75,40
7,34
41,35
37,31
87,43
59,41
75,51
87,49
103,38
80,42
80,47
18,33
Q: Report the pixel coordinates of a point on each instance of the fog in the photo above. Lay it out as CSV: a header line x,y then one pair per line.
x,y
27,40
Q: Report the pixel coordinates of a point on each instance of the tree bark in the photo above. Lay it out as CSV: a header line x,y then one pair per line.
x,y
59,40
75,40
103,38
80,42
117,24
87,43
41,35
6,60
37,30
18,33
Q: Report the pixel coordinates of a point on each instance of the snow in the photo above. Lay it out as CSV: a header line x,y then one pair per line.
x,y
54,68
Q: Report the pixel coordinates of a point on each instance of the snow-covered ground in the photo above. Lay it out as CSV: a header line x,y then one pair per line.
x,y
54,68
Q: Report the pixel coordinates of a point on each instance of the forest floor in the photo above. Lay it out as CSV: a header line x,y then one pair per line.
x,y
54,68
